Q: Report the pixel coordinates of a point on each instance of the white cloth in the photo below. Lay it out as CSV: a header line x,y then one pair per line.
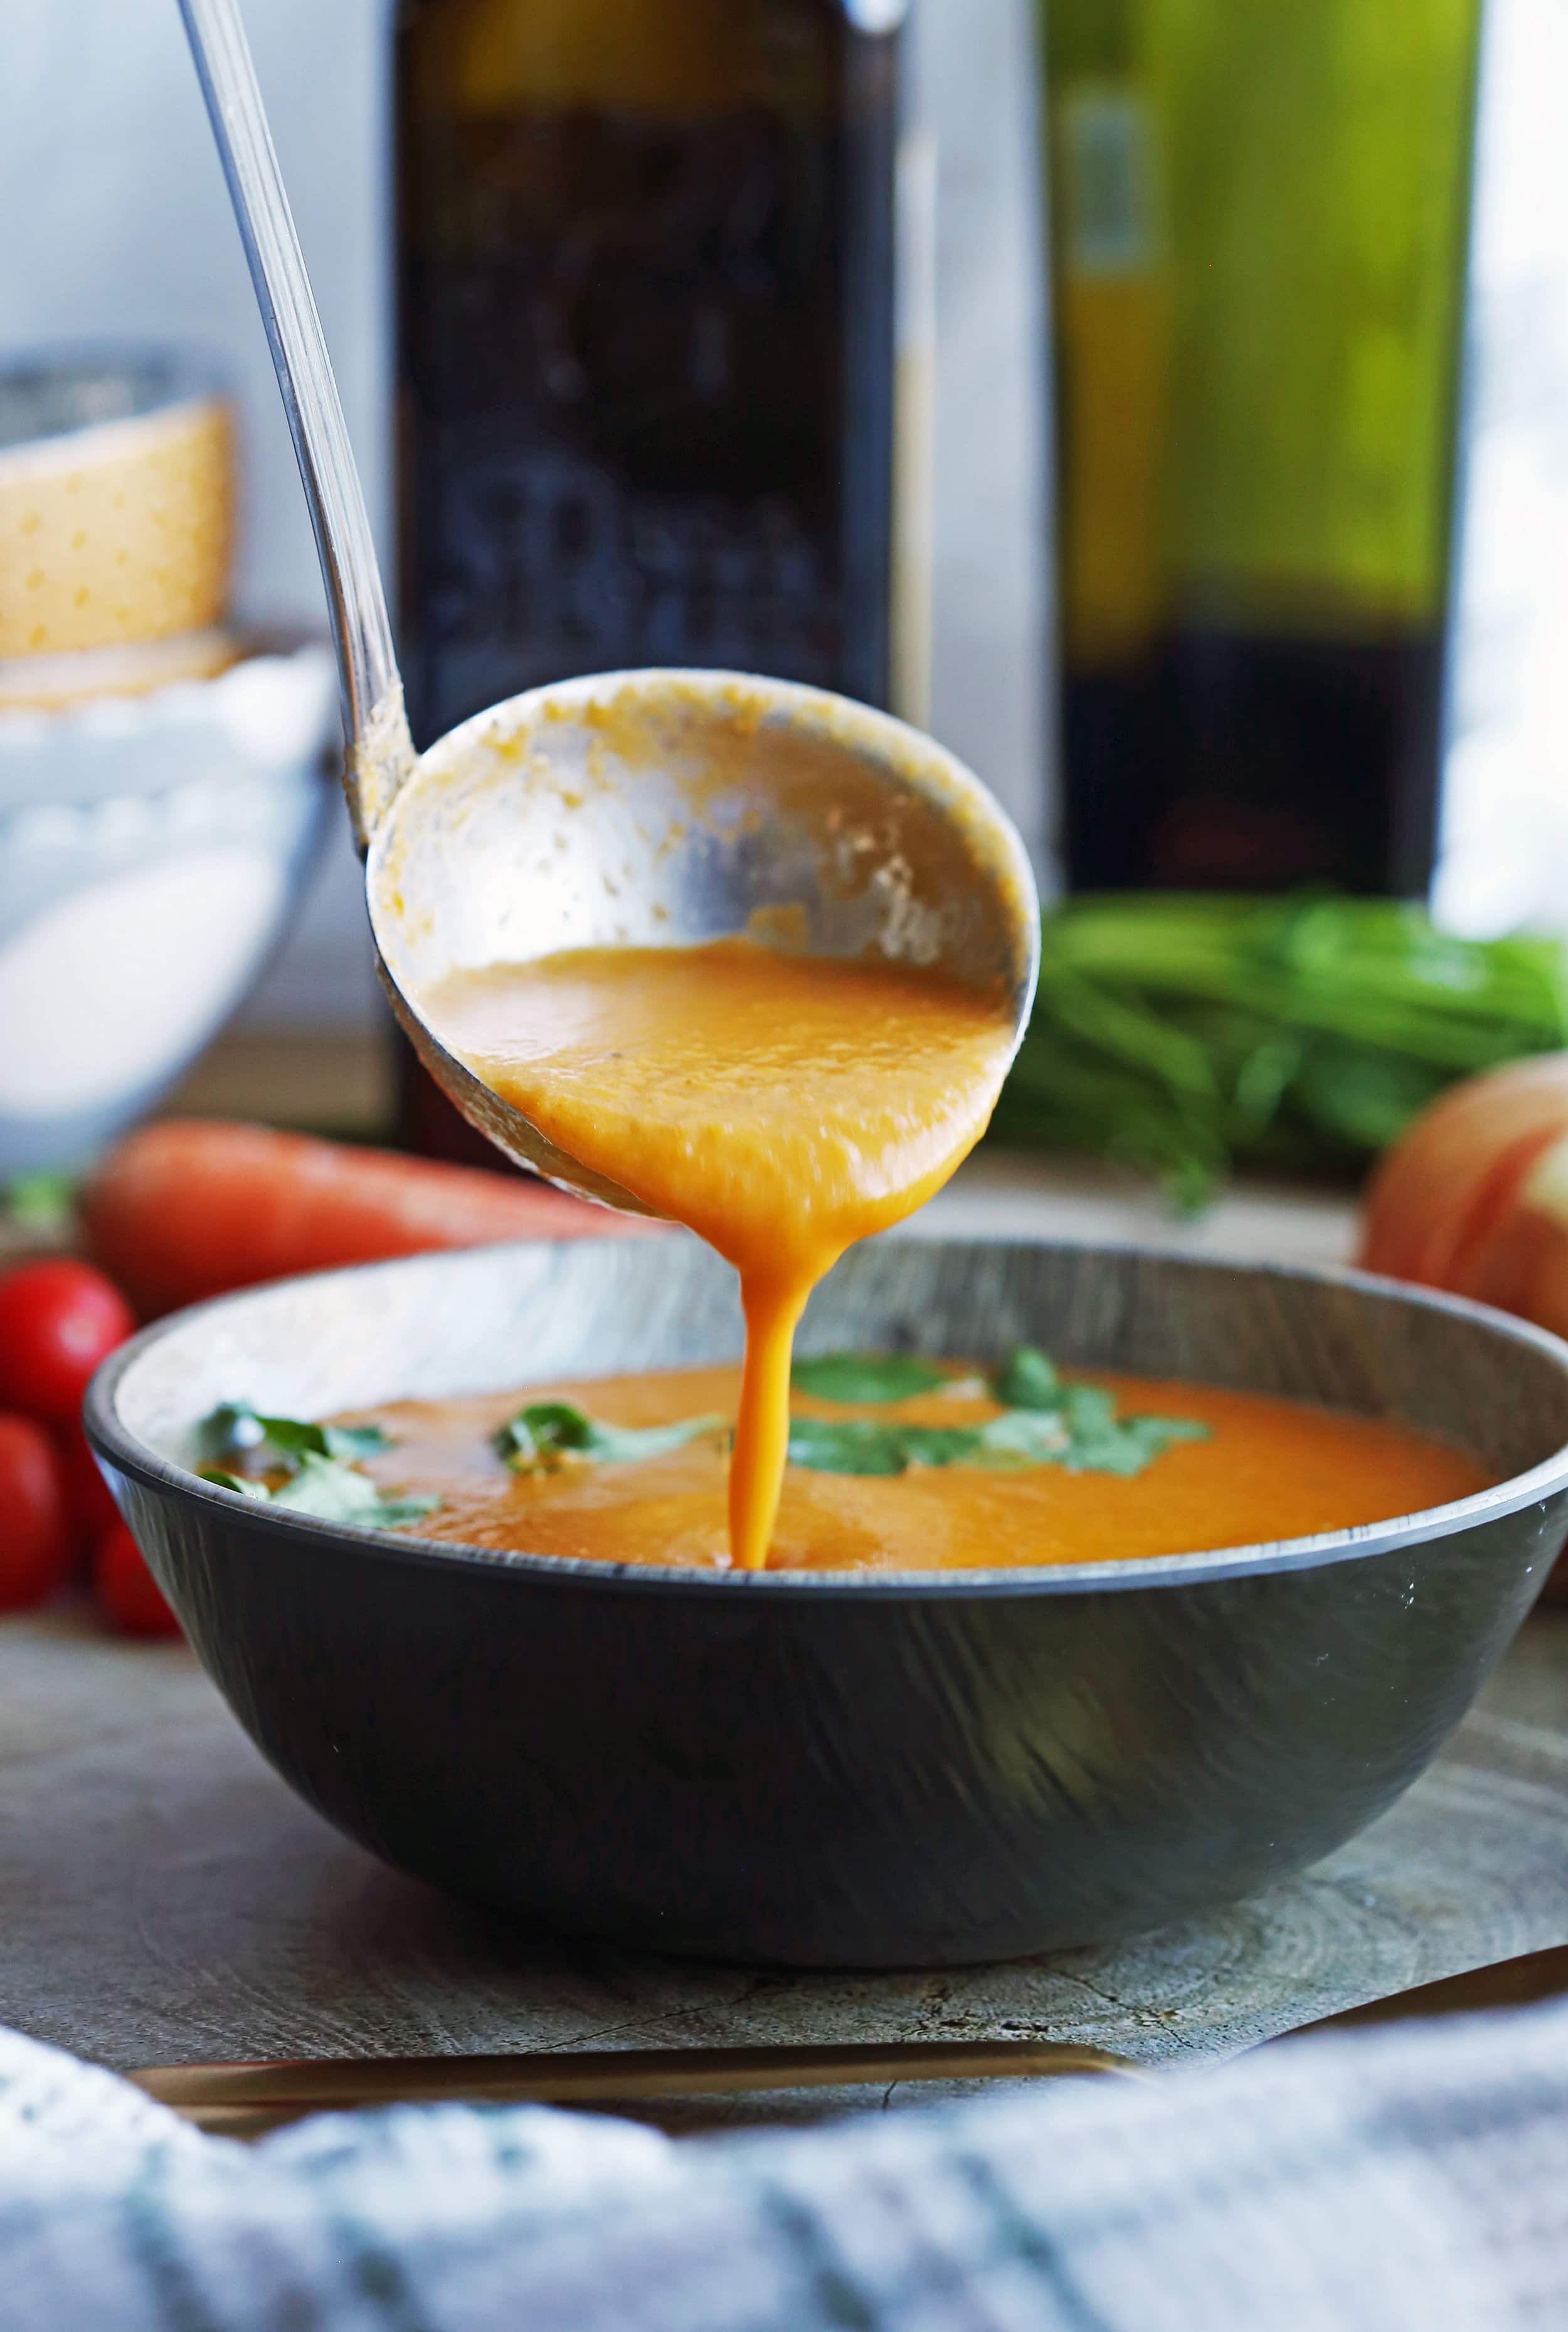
x,y
1410,2181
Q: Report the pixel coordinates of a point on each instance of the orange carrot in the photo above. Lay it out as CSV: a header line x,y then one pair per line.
x,y
194,1207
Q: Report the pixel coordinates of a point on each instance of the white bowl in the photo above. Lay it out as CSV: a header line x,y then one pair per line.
x,y
151,850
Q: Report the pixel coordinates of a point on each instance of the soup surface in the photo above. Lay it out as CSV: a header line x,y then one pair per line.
x,y
1265,1469
780,1106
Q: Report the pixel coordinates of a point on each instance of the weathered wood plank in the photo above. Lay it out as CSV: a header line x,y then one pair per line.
x,y
166,1899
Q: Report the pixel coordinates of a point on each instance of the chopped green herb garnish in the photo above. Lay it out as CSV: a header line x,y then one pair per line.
x,y
298,1440
865,1377
548,1429
1089,1409
551,1433
240,1484
337,1492
236,1430
1017,1440
1024,1437
1045,1423
863,1445
319,1463
1114,1445
332,1490
1027,1380
233,1431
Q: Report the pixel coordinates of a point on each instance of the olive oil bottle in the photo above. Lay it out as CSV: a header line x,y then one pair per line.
x,y
1259,230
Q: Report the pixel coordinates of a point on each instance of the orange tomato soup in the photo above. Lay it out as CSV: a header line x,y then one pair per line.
x,y
781,1106
1270,1469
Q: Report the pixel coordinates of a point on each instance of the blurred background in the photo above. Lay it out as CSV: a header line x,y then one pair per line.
x,y
1223,442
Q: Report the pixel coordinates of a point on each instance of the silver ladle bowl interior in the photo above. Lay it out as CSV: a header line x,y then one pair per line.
x,y
657,809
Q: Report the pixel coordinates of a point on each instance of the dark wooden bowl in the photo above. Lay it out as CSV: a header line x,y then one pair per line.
x,y
845,1771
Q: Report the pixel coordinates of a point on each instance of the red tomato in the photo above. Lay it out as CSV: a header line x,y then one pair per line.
x,y
34,1535
58,1319
128,1596
89,1499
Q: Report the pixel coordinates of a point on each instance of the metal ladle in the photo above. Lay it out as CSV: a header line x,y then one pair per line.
x,y
641,808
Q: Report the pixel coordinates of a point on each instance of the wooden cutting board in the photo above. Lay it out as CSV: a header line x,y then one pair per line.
x,y
167,1900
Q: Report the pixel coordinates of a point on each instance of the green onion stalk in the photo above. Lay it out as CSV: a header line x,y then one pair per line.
x,y
1187,1034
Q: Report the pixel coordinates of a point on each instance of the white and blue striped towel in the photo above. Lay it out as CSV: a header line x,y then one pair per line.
x,y
1409,2181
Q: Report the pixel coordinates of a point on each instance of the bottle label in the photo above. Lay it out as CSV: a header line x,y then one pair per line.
x,y
1260,260
1106,181
645,419
549,559
1114,324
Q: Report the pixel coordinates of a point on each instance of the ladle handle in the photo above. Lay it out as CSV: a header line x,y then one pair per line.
x,y
380,748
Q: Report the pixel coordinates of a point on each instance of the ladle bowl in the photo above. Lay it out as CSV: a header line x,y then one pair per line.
x,y
670,808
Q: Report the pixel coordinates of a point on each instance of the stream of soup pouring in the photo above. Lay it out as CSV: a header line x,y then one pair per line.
x,y
780,1106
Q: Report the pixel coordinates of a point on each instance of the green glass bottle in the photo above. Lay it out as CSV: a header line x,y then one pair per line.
x,y
1260,232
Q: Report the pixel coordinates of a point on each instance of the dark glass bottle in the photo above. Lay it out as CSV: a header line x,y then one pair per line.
x,y
1259,236
645,342
644,350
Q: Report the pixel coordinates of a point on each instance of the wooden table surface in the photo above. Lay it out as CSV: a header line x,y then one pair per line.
x,y
165,1898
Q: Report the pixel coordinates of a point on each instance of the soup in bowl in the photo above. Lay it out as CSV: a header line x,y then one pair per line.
x,y
886,1762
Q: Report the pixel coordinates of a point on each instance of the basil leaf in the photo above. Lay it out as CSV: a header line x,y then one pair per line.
x,y
1024,1437
296,1439
865,1376
1089,1409
400,1514
1130,1444
861,1446
1159,1434
239,1483
335,1492
233,1431
620,1444
550,1433
1083,1434
236,1430
1026,1379
940,1444
547,1428
330,1489
855,1446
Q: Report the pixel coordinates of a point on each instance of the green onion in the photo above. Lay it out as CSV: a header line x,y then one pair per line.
x,y
1186,1033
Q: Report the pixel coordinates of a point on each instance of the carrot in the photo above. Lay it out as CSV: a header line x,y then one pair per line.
x,y
194,1207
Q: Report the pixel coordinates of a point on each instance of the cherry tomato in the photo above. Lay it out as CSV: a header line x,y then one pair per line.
x,y
34,1535
128,1596
88,1497
58,1319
